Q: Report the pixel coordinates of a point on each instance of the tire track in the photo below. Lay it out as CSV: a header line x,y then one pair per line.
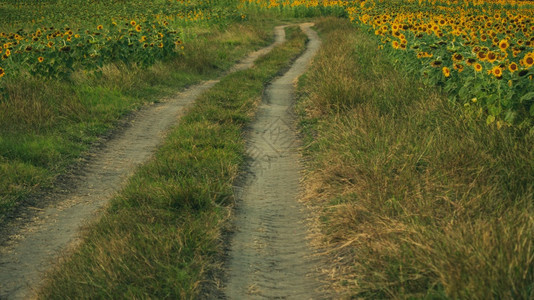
x,y
35,244
269,255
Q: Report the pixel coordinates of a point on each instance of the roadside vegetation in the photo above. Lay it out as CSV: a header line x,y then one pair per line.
x,y
417,118
161,235
480,52
48,122
416,197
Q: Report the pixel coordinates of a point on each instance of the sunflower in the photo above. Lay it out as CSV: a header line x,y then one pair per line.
x,y
8,53
435,63
99,27
446,71
40,59
2,72
133,23
459,67
395,44
478,67
424,54
457,57
528,60
497,71
138,28
492,56
471,61
481,55
503,45
512,67
160,45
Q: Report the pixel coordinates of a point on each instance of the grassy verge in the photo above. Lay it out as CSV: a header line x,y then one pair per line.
x,y
416,199
159,237
46,126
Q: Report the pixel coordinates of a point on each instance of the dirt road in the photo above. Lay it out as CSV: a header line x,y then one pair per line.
x,y
35,244
269,255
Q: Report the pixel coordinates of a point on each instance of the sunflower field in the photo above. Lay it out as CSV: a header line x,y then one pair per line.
x,y
480,52
50,39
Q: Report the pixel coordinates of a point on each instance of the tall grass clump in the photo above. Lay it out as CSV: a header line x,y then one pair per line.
x,y
416,199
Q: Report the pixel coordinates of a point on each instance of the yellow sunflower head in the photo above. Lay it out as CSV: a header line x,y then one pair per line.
x,y
512,67
528,60
435,63
446,72
492,56
497,71
503,45
457,57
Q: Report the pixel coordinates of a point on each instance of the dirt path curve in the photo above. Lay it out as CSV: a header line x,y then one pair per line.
x,y
269,255
35,244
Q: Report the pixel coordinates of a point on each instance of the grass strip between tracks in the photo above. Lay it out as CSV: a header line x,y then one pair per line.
x,y
160,235
417,198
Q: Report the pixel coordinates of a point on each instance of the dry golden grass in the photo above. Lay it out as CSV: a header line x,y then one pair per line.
x,y
415,199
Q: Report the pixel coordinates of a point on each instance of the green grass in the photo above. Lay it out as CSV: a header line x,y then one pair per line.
x,y
160,236
417,199
47,125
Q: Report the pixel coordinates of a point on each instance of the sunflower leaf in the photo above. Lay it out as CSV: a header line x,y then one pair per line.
x,y
527,97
